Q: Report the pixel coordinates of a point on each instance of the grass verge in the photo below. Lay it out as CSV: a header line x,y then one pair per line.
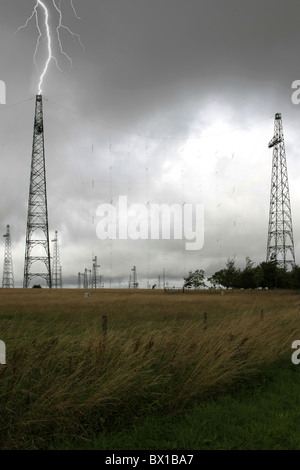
x,y
263,414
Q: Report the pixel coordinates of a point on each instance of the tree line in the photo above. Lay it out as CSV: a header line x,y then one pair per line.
x,y
265,275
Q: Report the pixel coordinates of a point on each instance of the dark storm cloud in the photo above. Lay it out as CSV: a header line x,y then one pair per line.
x,y
156,54
171,101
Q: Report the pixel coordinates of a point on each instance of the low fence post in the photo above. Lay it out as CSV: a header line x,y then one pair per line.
x,y
205,321
104,324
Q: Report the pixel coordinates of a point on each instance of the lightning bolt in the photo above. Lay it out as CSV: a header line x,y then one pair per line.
x,y
78,17
41,5
60,25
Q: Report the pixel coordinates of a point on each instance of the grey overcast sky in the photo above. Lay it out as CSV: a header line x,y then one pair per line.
x,y
168,101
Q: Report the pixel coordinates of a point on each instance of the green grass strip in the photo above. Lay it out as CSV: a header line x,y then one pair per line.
x,y
261,415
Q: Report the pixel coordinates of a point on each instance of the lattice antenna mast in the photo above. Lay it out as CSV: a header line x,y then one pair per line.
x,y
135,284
56,267
37,251
80,275
85,279
280,247
95,276
8,275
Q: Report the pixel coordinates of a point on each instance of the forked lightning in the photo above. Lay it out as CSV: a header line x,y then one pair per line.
x,y
40,5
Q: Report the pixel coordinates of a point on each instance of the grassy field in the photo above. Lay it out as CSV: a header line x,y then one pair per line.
x,y
68,380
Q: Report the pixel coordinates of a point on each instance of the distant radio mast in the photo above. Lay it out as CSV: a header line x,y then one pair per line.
x,y
135,283
37,251
85,279
280,247
8,276
80,275
95,277
56,267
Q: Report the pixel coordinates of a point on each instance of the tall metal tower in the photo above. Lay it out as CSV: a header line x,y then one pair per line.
x,y
56,267
85,279
135,284
95,277
8,275
37,251
280,247
80,275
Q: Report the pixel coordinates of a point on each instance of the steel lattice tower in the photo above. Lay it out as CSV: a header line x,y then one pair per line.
x,y
56,268
8,275
280,247
37,251
80,275
95,277
85,279
135,283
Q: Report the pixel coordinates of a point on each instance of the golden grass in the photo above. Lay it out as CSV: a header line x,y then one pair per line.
x,y
65,377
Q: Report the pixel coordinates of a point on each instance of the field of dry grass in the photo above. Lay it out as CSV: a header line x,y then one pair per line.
x,y
65,377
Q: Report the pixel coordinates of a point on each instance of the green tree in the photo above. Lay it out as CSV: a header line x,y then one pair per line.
x,y
232,274
274,277
195,279
218,279
247,278
229,277
295,277
258,275
266,275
